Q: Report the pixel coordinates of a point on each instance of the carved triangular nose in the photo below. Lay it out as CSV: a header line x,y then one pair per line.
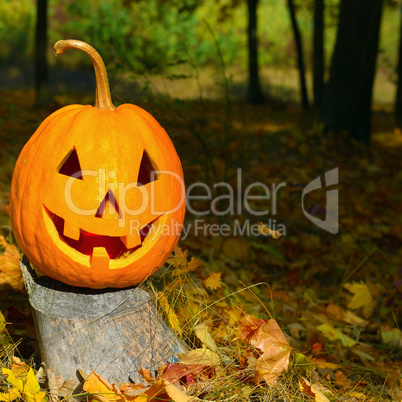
x,y
108,208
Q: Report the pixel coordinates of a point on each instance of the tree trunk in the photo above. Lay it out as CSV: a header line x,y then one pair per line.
x,y
255,94
318,53
41,66
112,331
398,100
300,58
347,97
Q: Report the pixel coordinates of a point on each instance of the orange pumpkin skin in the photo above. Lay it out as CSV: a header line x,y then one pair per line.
x,y
57,218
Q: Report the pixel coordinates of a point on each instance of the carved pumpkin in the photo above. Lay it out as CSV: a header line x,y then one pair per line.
x,y
97,196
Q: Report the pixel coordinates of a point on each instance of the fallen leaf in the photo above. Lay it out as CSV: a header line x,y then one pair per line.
x,y
10,272
346,315
32,391
22,378
17,384
266,336
181,372
313,390
363,297
304,363
201,356
178,258
131,389
67,389
101,390
341,379
213,281
334,334
247,327
170,314
183,266
392,336
3,322
54,385
202,333
147,375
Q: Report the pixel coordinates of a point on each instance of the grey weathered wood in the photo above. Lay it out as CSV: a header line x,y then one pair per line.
x,y
113,332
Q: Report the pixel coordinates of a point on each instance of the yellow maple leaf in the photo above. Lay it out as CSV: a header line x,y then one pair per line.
x,y
334,334
364,296
32,392
184,267
213,281
9,396
178,258
25,384
17,384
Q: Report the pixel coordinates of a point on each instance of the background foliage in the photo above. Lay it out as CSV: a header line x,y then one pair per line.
x,y
150,35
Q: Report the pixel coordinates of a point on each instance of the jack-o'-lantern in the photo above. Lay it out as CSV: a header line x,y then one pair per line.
x,y
97,195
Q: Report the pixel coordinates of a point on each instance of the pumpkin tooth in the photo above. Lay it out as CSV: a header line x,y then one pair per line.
x,y
100,258
131,241
71,231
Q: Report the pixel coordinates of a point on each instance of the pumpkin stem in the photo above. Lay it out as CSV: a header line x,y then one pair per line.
x,y
103,100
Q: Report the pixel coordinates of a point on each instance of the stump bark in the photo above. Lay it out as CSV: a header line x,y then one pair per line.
x,y
114,332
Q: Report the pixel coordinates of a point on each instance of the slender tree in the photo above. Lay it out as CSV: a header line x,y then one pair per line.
x,y
398,100
318,52
41,65
347,97
255,94
300,57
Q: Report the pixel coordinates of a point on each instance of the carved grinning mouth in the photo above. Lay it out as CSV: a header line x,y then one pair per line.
x,y
98,246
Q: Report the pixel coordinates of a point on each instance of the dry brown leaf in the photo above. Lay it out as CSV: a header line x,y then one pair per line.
x,y
270,340
54,385
247,327
67,389
341,379
346,315
146,375
313,390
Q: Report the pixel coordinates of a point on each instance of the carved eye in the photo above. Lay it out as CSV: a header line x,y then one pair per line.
x,y
70,166
148,170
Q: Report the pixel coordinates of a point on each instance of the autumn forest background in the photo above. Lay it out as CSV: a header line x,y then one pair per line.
x,y
285,90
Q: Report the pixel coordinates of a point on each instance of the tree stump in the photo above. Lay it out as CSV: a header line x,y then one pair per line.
x,y
114,332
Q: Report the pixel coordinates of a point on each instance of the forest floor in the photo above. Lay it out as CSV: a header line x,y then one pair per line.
x,y
336,297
